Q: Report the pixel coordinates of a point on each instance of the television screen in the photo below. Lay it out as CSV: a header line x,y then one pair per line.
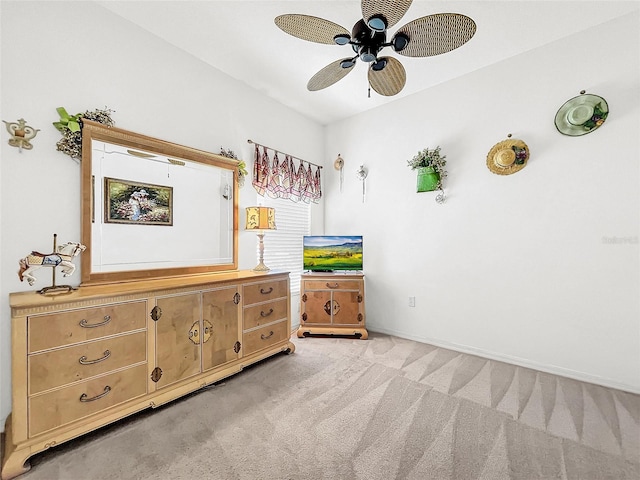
x,y
329,253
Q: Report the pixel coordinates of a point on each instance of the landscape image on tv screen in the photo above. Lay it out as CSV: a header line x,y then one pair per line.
x,y
329,253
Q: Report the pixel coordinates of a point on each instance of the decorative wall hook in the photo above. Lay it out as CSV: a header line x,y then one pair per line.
x,y
21,134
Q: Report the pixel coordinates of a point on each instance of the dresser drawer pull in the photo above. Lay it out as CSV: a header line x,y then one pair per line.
x,y
262,314
83,397
83,360
335,285
264,337
266,292
85,324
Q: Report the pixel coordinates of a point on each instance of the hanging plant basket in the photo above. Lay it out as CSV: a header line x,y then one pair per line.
x,y
428,179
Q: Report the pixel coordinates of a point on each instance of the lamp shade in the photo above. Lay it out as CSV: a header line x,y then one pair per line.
x,y
261,218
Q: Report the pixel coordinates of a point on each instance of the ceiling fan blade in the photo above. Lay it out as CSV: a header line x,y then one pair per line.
x,y
312,29
391,11
436,34
390,80
329,75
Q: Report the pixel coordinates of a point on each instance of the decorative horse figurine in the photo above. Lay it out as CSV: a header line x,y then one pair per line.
x,y
63,256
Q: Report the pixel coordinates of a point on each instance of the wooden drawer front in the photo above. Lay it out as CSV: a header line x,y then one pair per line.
x,y
64,328
332,285
264,337
265,313
59,407
71,364
262,292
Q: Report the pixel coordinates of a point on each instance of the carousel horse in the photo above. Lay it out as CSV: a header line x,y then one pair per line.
x,y
63,256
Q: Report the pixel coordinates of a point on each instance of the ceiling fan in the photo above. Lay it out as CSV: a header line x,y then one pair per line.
x,y
422,37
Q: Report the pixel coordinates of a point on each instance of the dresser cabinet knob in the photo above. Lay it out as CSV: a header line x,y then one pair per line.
x,y
264,337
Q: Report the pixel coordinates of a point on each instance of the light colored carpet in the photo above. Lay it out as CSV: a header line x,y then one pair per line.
x,y
383,408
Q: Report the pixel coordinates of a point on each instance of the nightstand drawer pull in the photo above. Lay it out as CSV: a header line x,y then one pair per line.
x,y
335,285
266,292
85,324
262,314
84,398
83,360
264,337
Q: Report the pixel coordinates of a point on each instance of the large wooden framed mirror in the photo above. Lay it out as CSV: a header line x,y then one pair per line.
x,y
154,209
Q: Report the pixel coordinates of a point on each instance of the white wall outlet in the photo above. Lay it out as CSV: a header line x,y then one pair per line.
x,y
412,301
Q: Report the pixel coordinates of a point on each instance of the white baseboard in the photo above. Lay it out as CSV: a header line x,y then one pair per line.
x,y
553,369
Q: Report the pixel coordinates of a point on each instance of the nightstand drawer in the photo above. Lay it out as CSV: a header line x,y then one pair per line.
x,y
265,313
56,368
262,292
332,285
59,407
264,337
75,326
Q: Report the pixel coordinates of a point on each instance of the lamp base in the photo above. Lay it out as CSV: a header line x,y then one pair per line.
x,y
261,267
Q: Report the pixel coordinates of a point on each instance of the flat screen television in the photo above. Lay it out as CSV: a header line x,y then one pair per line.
x,y
324,253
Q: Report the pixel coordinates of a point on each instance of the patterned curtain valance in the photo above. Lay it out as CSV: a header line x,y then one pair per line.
x,y
288,177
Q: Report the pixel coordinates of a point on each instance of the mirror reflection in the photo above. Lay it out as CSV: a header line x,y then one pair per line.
x,y
155,209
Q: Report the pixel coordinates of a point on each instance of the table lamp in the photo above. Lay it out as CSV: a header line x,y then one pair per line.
x,y
261,219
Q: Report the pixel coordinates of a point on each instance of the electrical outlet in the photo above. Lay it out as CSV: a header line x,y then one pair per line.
x,y
412,301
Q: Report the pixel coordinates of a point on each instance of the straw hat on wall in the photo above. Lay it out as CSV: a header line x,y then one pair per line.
x,y
507,157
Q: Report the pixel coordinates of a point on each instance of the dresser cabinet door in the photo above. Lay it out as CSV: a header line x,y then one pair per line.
x,y
220,329
178,337
317,307
346,307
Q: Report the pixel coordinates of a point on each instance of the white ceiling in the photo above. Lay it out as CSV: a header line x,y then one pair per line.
x,y
240,38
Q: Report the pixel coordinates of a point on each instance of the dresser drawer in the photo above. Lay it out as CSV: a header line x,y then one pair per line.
x,y
264,313
264,291
75,326
59,407
264,337
56,368
332,285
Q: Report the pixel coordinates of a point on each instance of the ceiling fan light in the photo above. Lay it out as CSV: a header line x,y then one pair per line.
x,y
368,54
400,42
367,57
348,63
379,65
377,23
342,39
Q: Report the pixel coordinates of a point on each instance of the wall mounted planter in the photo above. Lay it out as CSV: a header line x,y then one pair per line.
x,y
428,179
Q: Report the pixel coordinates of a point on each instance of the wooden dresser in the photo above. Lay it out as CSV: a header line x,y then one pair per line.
x,y
93,356
332,304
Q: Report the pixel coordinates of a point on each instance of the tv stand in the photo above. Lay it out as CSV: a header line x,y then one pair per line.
x,y
332,304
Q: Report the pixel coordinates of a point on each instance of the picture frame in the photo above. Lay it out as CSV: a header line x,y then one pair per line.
x,y
136,203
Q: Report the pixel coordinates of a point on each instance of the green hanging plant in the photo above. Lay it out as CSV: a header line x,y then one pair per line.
x,y
67,121
242,167
71,128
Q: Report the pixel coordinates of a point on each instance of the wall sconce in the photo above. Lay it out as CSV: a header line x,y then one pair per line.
x,y
21,134
362,175
338,164
260,219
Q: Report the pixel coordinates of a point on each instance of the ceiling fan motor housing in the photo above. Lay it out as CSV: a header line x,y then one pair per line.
x,y
367,42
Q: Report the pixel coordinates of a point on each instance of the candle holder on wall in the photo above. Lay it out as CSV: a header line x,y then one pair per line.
x,y
21,134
